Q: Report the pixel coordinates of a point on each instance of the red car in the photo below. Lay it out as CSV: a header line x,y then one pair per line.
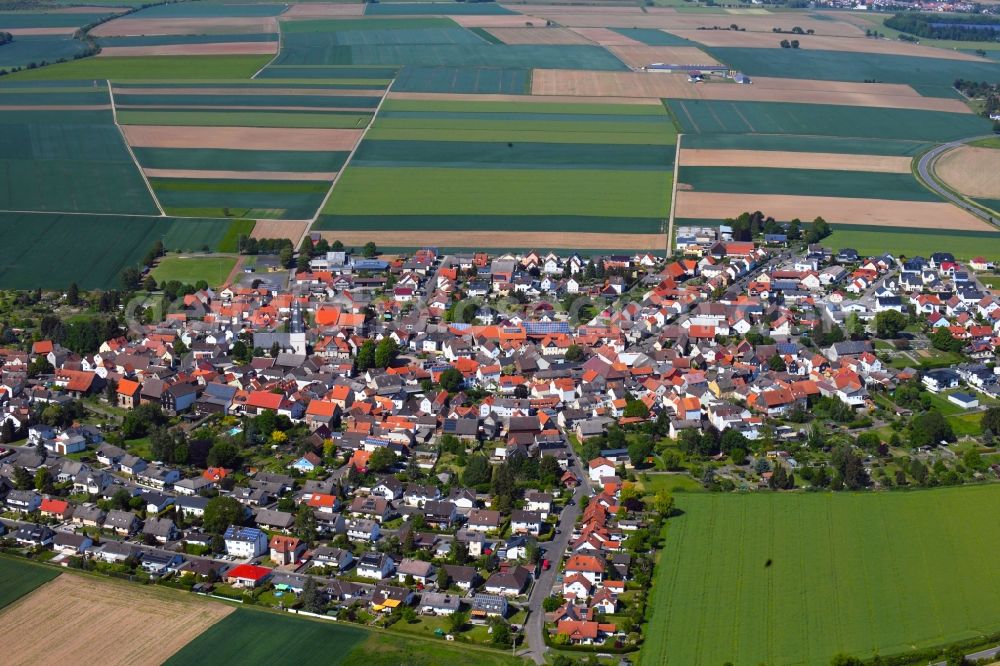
x,y
546,565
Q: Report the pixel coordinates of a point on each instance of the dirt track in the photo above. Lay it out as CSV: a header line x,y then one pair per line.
x,y
76,619
220,48
874,212
861,44
550,36
794,160
39,31
676,86
540,240
973,171
246,138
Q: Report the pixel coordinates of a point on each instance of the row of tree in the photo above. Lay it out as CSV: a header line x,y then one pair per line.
x,y
981,28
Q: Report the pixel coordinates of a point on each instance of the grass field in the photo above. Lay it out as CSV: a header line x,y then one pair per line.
x,y
713,117
19,578
441,191
780,579
908,242
224,118
189,270
239,160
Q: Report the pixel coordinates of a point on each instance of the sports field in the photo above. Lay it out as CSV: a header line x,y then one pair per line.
x,y
18,578
781,579
191,269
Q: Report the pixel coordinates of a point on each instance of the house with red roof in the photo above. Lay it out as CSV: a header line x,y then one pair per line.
x,y
247,576
286,549
55,508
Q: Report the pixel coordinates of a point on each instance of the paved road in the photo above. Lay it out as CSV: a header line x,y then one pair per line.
x,y
535,627
925,172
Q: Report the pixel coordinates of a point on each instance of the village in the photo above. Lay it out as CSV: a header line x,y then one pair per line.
x,y
485,447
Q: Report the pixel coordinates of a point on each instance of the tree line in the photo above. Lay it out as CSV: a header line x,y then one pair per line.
x,y
957,28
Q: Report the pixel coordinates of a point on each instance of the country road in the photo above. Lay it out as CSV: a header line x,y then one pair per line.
x,y
925,173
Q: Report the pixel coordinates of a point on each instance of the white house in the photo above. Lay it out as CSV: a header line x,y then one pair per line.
x,y
245,542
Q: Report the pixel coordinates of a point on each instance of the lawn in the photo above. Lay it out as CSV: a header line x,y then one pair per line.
x,y
652,483
148,68
440,191
189,270
793,578
382,650
18,578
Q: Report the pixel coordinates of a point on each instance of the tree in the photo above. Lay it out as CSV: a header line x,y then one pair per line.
x,y
220,513
285,257
663,502
889,323
776,363
73,294
23,479
43,480
302,263
550,604
501,632
574,353
312,602
991,420
366,356
7,431
223,454
848,464
241,353
930,429
369,250
386,352
855,328
382,459
942,339
477,471
844,660
305,524
456,621
451,380
640,449
636,409
130,278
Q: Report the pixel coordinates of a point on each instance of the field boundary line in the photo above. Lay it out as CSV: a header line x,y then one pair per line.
x,y
347,163
128,147
277,53
673,195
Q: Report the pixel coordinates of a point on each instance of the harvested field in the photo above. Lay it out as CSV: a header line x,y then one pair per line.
x,y
247,138
640,56
522,99
313,10
240,175
863,44
873,212
606,37
248,91
25,32
186,26
676,86
973,171
292,229
223,48
134,625
493,239
551,36
487,21
604,17
794,160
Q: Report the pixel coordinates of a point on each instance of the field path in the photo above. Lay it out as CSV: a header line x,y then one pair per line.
x,y
673,196
128,147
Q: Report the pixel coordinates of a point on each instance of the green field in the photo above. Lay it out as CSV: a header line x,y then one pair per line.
x,y
804,144
806,182
223,118
442,191
18,578
714,117
257,637
189,270
484,222
271,199
161,40
51,251
152,68
870,240
931,74
213,159
497,80
782,579
430,8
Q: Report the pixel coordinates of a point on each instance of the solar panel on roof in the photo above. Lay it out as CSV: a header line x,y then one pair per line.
x,y
546,327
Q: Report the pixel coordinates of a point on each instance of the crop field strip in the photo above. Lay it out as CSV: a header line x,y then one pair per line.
x,y
20,578
857,184
807,144
194,197
550,167
778,159
836,583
